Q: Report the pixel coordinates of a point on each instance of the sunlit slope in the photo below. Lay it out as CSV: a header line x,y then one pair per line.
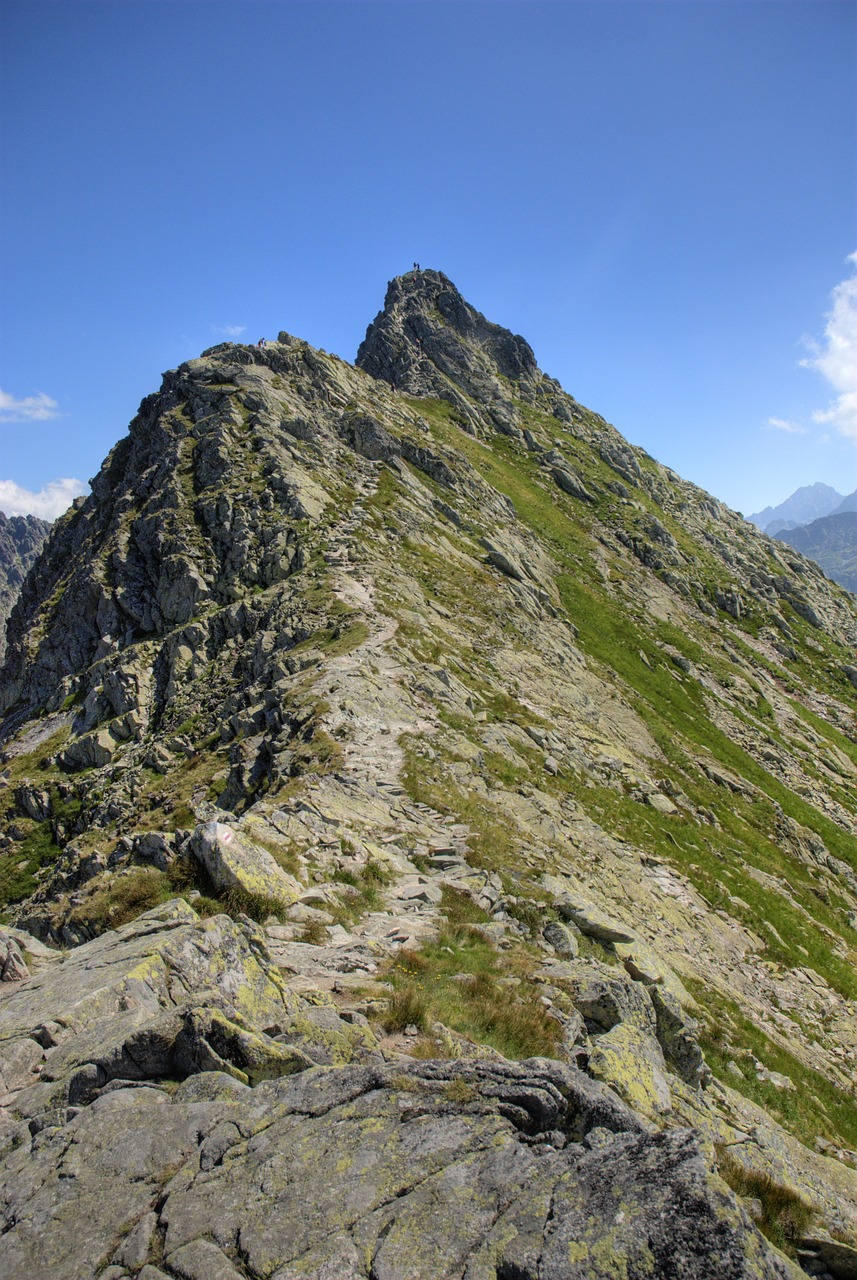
x,y
428,626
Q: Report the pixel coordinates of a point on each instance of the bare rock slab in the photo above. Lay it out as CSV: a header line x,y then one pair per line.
x,y
431,1170
164,997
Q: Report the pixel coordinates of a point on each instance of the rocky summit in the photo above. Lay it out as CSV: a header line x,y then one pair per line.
x,y
428,844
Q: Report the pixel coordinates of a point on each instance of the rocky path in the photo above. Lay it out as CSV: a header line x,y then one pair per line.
x,y
363,808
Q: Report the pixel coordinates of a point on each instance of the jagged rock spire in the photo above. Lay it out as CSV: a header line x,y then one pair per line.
x,y
429,341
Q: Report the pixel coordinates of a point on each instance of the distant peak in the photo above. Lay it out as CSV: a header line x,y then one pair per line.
x,y
809,502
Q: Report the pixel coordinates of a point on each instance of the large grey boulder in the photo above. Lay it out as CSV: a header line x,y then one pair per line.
x,y
577,909
89,752
234,862
571,483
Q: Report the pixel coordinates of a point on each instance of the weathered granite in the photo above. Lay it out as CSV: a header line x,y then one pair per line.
x,y
432,1170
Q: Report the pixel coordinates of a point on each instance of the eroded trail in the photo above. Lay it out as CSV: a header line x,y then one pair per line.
x,y
360,813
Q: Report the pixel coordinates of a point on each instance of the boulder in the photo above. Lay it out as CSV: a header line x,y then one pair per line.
x,y
591,920
13,967
237,863
834,1256
562,939
35,803
19,1058
89,752
501,556
571,483
730,602
605,996
662,803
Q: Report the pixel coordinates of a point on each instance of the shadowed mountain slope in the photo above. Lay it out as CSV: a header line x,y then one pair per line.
x,y
832,542
20,540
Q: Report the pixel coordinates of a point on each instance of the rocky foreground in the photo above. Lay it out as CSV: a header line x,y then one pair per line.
x,y
180,1112
427,843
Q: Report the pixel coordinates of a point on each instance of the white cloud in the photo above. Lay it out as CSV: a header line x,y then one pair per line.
x,y
782,424
29,409
835,358
49,503
231,330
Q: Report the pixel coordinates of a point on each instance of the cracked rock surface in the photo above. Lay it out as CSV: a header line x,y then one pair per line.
x,y
137,1155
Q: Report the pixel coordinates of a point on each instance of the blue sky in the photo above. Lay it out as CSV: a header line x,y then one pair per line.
x,y
660,196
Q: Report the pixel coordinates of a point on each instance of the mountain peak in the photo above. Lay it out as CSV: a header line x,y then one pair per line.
x,y
428,340
809,502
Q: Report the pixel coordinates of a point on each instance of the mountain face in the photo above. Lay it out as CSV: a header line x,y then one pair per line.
x,y
21,538
830,542
847,504
810,502
428,823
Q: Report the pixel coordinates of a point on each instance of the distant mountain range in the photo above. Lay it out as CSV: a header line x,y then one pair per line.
x,y
808,503
820,523
832,543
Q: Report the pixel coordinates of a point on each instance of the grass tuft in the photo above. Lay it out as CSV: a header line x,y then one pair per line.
x,y
460,979
786,1216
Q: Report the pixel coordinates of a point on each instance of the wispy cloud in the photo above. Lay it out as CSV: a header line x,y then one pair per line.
x,y
35,408
835,358
231,330
49,503
792,428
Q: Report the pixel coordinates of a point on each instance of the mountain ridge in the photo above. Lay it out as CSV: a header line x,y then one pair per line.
x,y
809,502
513,742
21,538
832,542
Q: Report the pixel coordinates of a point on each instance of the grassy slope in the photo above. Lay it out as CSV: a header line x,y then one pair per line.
x,y
718,860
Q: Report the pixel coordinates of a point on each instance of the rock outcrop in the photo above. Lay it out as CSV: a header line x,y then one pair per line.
x,y
167,1137
397,763
21,538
